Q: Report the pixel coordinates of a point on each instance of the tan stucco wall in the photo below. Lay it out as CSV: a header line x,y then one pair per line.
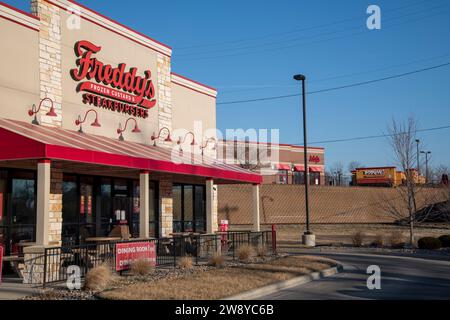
x,y
190,106
19,70
115,49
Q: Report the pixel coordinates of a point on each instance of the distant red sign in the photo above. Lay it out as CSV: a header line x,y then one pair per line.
x,y
1,262
314,159
127,253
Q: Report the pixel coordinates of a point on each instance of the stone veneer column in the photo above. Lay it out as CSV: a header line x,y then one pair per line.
x,y
42,207
166,205
211,206
50,70
164,95
255,208
144,207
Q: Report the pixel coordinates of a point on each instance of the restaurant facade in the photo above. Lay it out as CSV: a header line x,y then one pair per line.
x,y
278,163
96,130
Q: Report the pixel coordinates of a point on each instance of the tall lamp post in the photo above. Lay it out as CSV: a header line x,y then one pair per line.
x,y
418,163
308,238
426,153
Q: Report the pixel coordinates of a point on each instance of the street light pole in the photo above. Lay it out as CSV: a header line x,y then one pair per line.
x,y
418,163
307,238
426,153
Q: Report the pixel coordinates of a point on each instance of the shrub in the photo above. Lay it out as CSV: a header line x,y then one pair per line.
x,y
261,251
396,239
98,278
217,260
142,267
185,263
429,243
445,240
379,240
245,252
358,239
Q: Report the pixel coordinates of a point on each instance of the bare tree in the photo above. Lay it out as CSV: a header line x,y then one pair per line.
x,y
337,171
437,172
402,137
353,165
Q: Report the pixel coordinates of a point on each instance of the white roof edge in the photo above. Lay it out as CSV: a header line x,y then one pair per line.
x,y
191,84
116,27
19,17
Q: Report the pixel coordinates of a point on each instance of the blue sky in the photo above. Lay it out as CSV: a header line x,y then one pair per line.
x,y
251,49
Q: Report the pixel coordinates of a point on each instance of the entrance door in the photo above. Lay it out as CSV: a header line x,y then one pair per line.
x,y
121,201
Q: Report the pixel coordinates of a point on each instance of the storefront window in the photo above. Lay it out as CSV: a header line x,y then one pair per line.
x,y
282,176
298,177
3,184
104,208
314,178
188,199
70,210
199,208
188,208
153,209
177,208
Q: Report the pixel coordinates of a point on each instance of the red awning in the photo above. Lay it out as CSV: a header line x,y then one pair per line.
x,y
299,168
20,140
315,169
280,166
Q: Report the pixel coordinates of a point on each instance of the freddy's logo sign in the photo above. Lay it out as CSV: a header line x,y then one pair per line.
x,y
130,93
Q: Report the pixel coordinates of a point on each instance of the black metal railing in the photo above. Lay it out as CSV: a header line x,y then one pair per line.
x,y
201,247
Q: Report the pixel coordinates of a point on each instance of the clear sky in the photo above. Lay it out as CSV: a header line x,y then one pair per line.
x,y
250,49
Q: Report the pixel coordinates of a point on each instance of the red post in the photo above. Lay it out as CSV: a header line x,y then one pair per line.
x,y
274,239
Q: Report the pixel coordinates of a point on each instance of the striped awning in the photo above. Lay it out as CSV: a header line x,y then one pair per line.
x,y
21,140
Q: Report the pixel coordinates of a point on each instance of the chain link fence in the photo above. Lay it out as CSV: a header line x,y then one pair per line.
x,y
284,204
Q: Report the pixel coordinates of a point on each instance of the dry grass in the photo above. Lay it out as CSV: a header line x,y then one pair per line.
x,y
396,239
358,239
98,278
220,283
245,252
142,267
261,251
217,260
185,263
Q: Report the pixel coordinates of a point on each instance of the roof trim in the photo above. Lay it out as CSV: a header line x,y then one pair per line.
x,y
20,140
113,26
19,16
193,85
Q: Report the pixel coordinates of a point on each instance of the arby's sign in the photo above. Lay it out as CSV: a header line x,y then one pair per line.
x,y
113,88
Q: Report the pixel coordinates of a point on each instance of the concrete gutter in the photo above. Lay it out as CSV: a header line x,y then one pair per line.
x,y
272,288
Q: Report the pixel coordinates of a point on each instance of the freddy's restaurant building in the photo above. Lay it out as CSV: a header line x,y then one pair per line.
x,y
89,118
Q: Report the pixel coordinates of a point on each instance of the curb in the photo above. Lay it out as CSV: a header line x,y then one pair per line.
x,y
271,288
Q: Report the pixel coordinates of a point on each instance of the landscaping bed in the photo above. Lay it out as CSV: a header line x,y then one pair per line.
x,y
222,282
197,282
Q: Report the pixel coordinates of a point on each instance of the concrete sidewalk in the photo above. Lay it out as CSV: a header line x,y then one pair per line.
x,y
12,288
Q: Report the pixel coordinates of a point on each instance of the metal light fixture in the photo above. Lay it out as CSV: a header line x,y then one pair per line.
x,y
180,142
202,147
120,130
34,111
154,137
79,122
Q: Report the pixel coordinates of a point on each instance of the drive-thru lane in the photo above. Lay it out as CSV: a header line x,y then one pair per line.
x,y
401,278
